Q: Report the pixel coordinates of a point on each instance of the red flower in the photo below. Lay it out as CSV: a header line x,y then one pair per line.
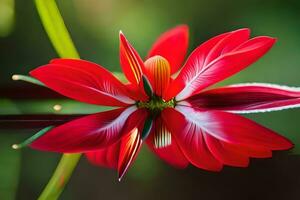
x,y
180,121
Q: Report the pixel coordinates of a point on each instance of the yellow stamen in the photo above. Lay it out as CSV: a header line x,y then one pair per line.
x,y
158,71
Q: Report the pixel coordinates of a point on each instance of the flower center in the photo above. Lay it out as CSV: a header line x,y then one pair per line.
x,y
155,82
156,104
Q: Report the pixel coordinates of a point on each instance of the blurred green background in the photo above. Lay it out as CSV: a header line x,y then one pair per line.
x,y
94,27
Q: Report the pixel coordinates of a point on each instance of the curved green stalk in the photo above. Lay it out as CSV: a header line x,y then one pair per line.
x,y
62,43
60,177
29,79
56,29
28,141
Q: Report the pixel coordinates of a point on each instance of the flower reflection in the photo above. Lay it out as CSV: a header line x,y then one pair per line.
x,y
172,113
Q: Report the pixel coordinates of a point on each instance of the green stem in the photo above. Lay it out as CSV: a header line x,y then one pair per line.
x,y
60,38
60,177
55,27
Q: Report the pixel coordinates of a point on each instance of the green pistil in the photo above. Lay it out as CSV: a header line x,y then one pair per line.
x,y
157,104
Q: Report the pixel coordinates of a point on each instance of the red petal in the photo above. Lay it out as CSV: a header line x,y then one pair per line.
x,y
248,98
225,155
91,132
162,143
229,138
248,151
191,141
130,146
137,94
216,60
121,154
173,46
234,129
205,48
131,63
131,142
83,81
106,157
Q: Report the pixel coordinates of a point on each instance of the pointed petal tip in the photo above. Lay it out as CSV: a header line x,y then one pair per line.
x,y
267,39
130,146
274,40
123,172
289,144
184,27
245,30
284,144
120,177
122,36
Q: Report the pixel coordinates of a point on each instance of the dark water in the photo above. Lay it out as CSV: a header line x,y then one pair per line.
x,y
150,178
276,178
